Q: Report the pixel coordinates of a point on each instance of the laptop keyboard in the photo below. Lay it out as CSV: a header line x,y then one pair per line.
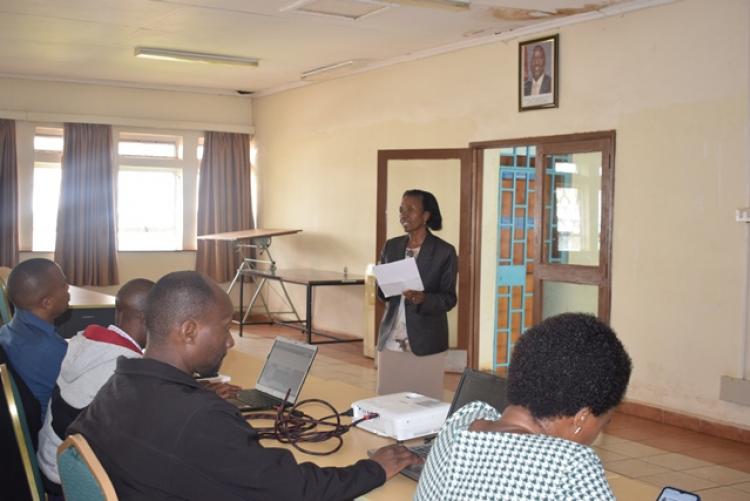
x,y
421,450
253,398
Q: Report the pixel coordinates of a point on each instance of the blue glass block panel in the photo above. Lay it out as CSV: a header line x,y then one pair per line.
x,y
511,275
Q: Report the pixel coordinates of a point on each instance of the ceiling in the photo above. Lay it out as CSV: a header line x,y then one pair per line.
x,y
94,40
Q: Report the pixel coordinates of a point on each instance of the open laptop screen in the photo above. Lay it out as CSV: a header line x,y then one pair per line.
x,y
286,368
476,385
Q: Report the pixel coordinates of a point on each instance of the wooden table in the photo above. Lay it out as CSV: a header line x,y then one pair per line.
x,y
244,370
86,307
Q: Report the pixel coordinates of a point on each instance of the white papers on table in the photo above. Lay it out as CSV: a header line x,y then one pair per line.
x,y
396,277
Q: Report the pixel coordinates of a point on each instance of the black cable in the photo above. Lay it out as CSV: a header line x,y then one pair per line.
x,y
292,426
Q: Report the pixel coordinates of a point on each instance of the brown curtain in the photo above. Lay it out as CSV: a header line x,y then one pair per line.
x,y
8,194
223,201
86,245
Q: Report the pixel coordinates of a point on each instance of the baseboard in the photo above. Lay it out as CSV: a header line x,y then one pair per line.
x,y
735,390
681,420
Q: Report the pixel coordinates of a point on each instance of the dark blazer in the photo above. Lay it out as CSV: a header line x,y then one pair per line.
x,y
426,323
545,88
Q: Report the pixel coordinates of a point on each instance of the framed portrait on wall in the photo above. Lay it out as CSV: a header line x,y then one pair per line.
x,y
538,73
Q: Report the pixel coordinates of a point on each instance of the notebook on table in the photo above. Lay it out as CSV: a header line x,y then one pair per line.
x,y
474,385
284,371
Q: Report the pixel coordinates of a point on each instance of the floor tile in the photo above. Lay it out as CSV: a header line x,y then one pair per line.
x,y
678,480
744,487
606,438
718,454
672,443
631,449
723,494
720,474
635,468
608,456
676,462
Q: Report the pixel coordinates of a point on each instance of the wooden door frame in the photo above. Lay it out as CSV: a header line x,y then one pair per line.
x,y
468,284
477,176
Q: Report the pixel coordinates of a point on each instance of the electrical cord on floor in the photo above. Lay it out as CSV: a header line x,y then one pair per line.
x,y
292,426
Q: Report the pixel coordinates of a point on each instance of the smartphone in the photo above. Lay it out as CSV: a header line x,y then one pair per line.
x,y
674,494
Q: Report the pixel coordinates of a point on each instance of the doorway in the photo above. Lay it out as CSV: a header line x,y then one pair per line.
x,y
545,242
448,174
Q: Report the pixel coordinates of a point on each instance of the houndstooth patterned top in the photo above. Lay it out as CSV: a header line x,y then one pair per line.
x,y
482,466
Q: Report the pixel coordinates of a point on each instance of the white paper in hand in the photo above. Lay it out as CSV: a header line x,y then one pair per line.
x,y
396,277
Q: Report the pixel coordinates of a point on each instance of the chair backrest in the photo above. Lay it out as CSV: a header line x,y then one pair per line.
x,y
82,475
20,432
5,313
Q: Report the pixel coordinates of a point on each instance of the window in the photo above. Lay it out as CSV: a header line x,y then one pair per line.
x,y
45,200
152,178
149,192
48,145
149,208
148,145
199,151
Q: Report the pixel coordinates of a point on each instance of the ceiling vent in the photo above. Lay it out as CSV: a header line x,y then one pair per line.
x,y
341,9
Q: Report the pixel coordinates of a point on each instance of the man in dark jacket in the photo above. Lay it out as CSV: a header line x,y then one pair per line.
x,y
160,435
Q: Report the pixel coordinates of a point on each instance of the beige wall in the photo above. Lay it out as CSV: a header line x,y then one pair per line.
x,y
38,102
671,80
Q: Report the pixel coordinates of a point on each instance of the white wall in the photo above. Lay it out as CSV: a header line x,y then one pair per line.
x,y
671,80
33,103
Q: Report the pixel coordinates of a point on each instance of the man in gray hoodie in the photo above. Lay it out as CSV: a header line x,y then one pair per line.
x,y
88,364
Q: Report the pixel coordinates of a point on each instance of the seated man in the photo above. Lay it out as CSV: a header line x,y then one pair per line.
x,y
88,364
160,435
38,290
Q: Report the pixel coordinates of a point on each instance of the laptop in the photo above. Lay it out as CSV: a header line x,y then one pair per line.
x,y
285,370
474,385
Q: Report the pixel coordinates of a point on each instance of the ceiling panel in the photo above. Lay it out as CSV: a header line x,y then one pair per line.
x,y
93,40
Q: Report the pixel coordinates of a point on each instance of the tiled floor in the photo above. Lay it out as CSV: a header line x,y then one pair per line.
x,y
717,469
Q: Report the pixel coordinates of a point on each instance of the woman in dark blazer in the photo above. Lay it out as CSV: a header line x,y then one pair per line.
x,y
413,335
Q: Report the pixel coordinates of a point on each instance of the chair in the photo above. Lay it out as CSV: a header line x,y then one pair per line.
x,y
19,461
82,475
5,313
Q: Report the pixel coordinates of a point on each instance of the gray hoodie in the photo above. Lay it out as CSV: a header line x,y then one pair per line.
x,y
87,365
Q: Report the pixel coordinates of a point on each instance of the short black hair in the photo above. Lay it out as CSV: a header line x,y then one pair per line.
x,y
133,294
429,204
177,297
28,282
566,363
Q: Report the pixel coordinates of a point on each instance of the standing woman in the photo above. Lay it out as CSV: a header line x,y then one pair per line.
x,y
413,335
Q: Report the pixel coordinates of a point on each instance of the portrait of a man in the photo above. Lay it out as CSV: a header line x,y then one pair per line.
x,y
538,82
538,73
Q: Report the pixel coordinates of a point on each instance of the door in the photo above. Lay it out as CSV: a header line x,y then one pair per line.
x,y
545,239
447,173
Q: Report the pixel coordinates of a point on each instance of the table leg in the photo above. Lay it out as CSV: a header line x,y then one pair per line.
x,y
309,316
242,295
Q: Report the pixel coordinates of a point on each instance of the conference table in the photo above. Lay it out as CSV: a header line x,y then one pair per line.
x,y
86,307
244,369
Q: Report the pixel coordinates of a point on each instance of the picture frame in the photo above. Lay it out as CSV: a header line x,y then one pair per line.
x,y
538,73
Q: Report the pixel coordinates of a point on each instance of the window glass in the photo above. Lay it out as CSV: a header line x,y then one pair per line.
x,y
44,205
148,145
149,209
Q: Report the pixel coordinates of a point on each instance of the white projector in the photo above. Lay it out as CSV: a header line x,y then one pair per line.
x,y
402,416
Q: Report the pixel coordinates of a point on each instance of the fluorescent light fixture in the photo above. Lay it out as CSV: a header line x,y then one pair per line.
x,y
193,57
327,70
